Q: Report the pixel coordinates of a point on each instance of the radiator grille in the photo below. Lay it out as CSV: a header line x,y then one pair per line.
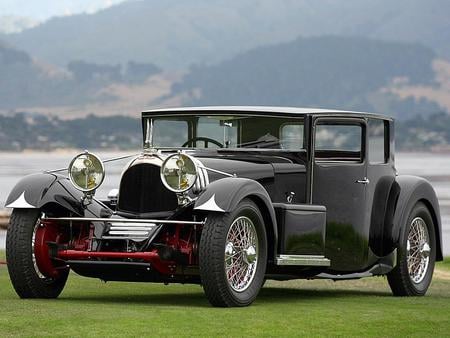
x,y
142,191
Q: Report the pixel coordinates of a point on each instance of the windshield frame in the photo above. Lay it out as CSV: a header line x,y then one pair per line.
x,y
148,132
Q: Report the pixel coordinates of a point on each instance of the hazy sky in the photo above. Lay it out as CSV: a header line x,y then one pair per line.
x,y
44,9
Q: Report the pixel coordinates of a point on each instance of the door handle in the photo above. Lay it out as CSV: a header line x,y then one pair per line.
x,y
365,180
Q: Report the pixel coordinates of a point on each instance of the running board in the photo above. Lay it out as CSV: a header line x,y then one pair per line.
x,y
377,270
302,260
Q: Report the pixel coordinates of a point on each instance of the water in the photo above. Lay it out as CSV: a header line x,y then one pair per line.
x,y
434,167
15,166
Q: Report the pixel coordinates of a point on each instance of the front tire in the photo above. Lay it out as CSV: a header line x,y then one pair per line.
x,y
32,273
416,255
233,256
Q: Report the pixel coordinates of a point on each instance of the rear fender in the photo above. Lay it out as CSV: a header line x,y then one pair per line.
x,y
413,190
225,194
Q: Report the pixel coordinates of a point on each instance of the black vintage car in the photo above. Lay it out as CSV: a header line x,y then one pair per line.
x,y
228,197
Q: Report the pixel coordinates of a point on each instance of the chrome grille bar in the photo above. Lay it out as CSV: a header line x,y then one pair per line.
x,y
128,233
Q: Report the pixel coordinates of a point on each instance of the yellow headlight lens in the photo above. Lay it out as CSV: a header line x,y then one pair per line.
x,y
86,172
179,172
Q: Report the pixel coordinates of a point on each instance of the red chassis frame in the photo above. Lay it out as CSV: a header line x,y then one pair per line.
x,y
179,236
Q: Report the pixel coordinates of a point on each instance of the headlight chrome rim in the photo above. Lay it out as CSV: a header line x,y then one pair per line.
x,y
163,177
102,167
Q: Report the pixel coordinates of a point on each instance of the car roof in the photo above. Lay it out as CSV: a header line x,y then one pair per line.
x,y
269,110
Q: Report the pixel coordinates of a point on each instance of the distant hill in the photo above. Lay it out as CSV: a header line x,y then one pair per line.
x,y
34,131
15,24
23,81
174,34
331,72
42,132
27,83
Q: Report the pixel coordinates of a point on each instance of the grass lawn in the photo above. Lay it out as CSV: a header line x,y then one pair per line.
x,y
88,307
445,265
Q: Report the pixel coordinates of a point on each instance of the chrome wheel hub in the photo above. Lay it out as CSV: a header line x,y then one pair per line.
x,y
250,255
418,250
241,253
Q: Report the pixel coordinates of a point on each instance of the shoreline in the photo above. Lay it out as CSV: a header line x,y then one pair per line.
x,y
66,151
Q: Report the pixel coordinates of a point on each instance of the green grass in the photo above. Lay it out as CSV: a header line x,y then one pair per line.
x,y
444,265
88,307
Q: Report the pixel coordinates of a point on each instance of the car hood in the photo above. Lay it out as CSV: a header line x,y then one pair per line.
x,y
256,167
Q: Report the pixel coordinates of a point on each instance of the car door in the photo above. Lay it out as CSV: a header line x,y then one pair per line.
x,y
339,183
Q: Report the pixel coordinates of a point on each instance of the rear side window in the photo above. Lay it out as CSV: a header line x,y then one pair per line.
x,y
378,141
291,136
338,141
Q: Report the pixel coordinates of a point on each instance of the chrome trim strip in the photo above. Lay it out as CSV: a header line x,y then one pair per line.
x,y
307,260
132,238
138,226
217,171
128,233
202,176
133,228
121,220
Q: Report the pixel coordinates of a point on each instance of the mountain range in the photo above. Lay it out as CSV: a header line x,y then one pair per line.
x,y
382,56
174,34
348,73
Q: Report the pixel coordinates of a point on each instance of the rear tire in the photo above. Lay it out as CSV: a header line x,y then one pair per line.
x,y
416,255
233,256
25,276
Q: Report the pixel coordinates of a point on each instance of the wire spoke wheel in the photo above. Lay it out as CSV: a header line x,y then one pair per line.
x,y
241,253
418,250
416,254
233,255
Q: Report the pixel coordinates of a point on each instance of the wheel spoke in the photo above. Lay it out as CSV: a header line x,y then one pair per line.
x,y
240,266
418,239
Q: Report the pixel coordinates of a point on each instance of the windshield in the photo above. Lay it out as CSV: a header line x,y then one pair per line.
x,y
229,131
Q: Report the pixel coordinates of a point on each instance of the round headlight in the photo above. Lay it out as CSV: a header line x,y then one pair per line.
x,y
86,172
179,172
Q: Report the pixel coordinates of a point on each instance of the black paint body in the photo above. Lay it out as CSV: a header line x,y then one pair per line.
x,y
356,226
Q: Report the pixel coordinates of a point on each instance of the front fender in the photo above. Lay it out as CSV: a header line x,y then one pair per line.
x,y
224,195
52,194
415,189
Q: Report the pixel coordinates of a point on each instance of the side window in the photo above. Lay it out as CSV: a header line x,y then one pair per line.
x,y
378,141
291,136
338,142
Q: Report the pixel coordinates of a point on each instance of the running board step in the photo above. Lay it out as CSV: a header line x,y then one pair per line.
x,y
302,260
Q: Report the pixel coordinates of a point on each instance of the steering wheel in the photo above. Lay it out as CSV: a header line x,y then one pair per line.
x,y
206,140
